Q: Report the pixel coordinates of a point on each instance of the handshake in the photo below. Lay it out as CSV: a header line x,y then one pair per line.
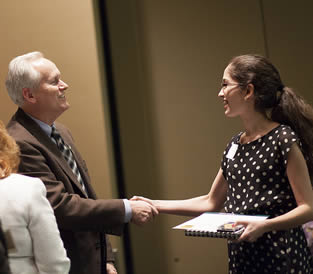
x,y
143,210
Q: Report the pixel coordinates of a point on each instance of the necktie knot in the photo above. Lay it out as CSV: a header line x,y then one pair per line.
x,y
54,131
57,137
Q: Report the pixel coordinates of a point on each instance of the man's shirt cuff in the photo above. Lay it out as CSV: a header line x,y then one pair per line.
x,y
128,211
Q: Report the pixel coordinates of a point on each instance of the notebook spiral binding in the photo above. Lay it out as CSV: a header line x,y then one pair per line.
x,y
226,235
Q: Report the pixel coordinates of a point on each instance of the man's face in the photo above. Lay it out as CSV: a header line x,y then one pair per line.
x,y
50,94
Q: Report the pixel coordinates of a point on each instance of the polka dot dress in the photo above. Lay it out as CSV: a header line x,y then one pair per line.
x,y
258,185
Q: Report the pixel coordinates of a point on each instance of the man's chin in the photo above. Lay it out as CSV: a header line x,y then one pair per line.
x,y
66,106
63,109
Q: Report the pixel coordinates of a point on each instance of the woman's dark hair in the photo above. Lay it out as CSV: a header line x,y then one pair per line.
x,y
286,107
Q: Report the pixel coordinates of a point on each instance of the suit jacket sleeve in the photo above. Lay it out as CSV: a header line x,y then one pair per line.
x,y
73,210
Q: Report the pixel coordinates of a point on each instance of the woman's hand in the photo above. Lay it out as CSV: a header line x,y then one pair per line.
x,y
111,268
253,230
140,198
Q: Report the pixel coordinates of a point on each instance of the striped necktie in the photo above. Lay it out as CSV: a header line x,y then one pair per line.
x,y
68,155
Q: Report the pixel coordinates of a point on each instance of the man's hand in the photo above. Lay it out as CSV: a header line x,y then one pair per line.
x,y
140,198
142,212
111,269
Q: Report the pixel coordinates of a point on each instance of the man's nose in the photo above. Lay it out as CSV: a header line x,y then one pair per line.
x,y
63,85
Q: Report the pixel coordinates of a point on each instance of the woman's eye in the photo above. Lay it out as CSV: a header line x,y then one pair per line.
x,y
224,85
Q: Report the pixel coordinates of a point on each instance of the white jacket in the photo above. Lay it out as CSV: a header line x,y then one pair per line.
x,y
27,214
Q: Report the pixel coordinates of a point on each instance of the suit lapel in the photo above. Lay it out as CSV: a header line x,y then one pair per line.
x,y
45,140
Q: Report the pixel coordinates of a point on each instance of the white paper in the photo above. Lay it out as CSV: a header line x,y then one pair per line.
x,y
210,221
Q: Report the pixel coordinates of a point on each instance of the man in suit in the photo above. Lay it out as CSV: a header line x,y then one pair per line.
x,y
48,152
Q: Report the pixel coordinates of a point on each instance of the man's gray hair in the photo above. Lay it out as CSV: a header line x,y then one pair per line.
x,y
21,75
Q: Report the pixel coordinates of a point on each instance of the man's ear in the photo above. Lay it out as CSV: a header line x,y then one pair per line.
x,y
28,95
249,92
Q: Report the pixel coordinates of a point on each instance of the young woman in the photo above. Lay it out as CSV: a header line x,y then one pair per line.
x,y
25,213
265,170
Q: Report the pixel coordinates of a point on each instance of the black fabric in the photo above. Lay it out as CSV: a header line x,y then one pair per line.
x,y
4,263
258,185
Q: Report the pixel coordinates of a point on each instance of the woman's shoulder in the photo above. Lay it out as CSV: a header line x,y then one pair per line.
x,y
24,182
283,132
22,190
283,137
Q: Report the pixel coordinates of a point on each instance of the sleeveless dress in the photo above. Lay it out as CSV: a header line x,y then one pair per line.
x,y
258,185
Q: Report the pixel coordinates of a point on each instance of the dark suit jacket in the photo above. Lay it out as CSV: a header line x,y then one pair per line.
x,y
81,220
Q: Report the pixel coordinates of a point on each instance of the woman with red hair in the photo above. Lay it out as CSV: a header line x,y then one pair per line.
x,y
25,213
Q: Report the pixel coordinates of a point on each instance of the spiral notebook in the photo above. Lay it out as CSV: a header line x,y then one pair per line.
x,y
217,225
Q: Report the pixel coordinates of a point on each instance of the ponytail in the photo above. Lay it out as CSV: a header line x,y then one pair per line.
x,y
292,110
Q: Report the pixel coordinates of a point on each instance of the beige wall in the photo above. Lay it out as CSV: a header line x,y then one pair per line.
x,y
290,39
65,32
169,58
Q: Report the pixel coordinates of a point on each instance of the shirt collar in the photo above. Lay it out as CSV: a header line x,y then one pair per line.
x,y
45,127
